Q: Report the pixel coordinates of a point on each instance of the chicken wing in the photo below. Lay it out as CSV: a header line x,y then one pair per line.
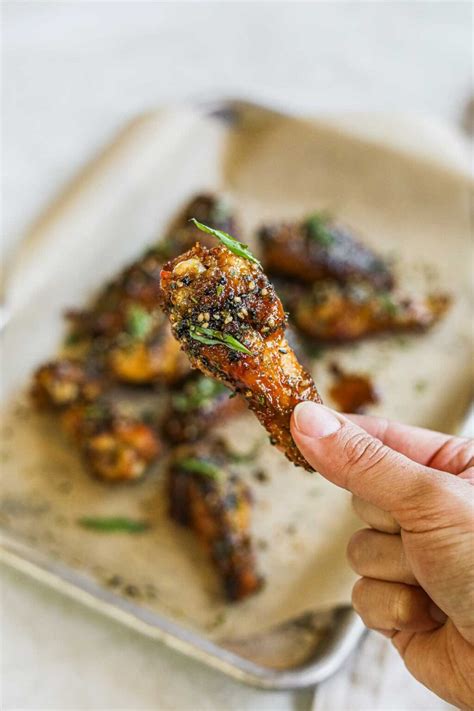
x,y
230,322
115,447
208,498
330,312
195,406
317,248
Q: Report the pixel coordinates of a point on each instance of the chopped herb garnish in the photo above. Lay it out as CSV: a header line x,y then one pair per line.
x,y
421,385
73,339
211,337
113,524
197,394
388,304
139,322
236,247
200,466
219,289
316,226
232,395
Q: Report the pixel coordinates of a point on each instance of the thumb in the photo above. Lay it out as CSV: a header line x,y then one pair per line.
x,y
351,458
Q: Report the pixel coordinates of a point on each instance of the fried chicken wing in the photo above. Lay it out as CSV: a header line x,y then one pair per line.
x,y
195,406
115,447
317,248
213,502
335,313
230,322
63,382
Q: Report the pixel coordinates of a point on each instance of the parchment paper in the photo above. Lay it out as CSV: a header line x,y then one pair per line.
x,y
272,167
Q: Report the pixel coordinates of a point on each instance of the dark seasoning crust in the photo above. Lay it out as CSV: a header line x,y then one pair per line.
x,y
221,292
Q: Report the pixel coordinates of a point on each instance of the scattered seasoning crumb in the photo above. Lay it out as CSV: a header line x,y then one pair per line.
x,y
114,581
65,487
131,591
261,476
262,545
219,620
421,385
150,591
291,529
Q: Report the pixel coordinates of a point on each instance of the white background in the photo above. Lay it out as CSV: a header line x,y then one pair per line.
x,y
74,72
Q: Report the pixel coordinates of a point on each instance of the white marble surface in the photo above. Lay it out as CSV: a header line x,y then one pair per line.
x,y
74,72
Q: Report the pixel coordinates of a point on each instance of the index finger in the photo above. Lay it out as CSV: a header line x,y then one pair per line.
x,y
432,449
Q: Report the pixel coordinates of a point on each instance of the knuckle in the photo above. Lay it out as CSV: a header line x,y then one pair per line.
x,y
402,607
356,548
361,453
358,595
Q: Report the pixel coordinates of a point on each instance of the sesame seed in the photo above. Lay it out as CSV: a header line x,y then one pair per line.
x,y
264,292
271,322
179,284
207,316
248,393
217,316
265,329
201,318
237,299
228,319
251,285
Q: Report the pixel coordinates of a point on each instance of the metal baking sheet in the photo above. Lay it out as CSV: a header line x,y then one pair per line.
x,y
249,144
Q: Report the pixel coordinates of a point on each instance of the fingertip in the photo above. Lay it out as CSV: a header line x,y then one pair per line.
x,y
310,419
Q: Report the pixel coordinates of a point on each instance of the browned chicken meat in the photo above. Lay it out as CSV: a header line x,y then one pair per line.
x,y
317,248
214,503
115,447
195,406
335,313
225,313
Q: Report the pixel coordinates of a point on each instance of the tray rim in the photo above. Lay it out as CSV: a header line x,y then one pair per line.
x,y
77,586
81,588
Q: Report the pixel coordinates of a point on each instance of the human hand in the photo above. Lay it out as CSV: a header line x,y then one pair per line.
x,y
414,489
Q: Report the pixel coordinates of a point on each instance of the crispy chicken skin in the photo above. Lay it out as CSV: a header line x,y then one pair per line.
x,y
115,447
317,248
334,313
213,502
198,404
214,291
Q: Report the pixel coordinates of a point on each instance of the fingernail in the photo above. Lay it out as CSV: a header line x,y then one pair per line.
x,y
315,420
436,614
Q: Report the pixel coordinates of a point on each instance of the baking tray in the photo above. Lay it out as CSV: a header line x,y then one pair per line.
x,y
302,651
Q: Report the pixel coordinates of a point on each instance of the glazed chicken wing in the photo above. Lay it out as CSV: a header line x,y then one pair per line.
x,y
225,313
334,313
208,498
115,447
317,248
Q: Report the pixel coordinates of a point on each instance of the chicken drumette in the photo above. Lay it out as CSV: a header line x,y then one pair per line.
x,y
116,447
317,248
230,322
331,312
216,504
